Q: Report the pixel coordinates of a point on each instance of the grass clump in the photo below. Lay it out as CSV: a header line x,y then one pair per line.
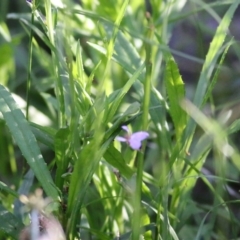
x,y
89,70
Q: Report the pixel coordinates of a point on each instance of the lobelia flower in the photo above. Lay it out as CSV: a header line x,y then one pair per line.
x,y
134,140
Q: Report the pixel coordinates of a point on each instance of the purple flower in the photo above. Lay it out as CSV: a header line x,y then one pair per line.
x,y
134,140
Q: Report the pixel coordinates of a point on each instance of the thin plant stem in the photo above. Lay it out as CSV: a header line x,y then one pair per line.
x,y
140,156
29,63
58,83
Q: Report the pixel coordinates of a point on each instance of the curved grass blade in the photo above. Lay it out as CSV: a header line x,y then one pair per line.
x,y
216,74
209,64
62,139
83,171
44,134
21,132
176,92
234,127
6,189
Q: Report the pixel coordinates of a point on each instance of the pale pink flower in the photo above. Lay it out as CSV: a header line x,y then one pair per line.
x,y
134,140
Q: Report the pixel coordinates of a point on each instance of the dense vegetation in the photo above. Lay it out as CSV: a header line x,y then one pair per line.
x,y
119,119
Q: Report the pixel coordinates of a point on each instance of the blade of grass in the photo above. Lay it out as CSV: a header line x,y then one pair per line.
x,y
29,69
208,67
44,135
176,92
61,144
216,131
26,141
55,57
146,102
216,74
82,174
5,188
111,44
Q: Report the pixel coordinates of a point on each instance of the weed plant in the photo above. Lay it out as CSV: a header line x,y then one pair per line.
x,y
73,73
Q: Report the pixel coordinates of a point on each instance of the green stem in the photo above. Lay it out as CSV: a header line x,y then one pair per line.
x,y
146,101
58,82
29,63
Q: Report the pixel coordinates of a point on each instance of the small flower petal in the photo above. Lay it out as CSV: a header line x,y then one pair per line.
x,y
136,139
135,145
120,139
139,136
125,128
133,140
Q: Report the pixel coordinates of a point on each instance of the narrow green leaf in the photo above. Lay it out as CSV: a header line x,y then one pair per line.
x,y
21,132
80,70
38,32
216,74
6,189
83,100
209,64
43,134
116,29
82,175
126,53
84,168
115,158
234,127
176,92
123,61
62,140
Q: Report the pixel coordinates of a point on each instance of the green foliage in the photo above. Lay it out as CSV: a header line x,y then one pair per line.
x,y
176,93
9,223
26,141
88,69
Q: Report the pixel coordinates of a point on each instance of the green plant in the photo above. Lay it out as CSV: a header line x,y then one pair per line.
x,y
91,69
